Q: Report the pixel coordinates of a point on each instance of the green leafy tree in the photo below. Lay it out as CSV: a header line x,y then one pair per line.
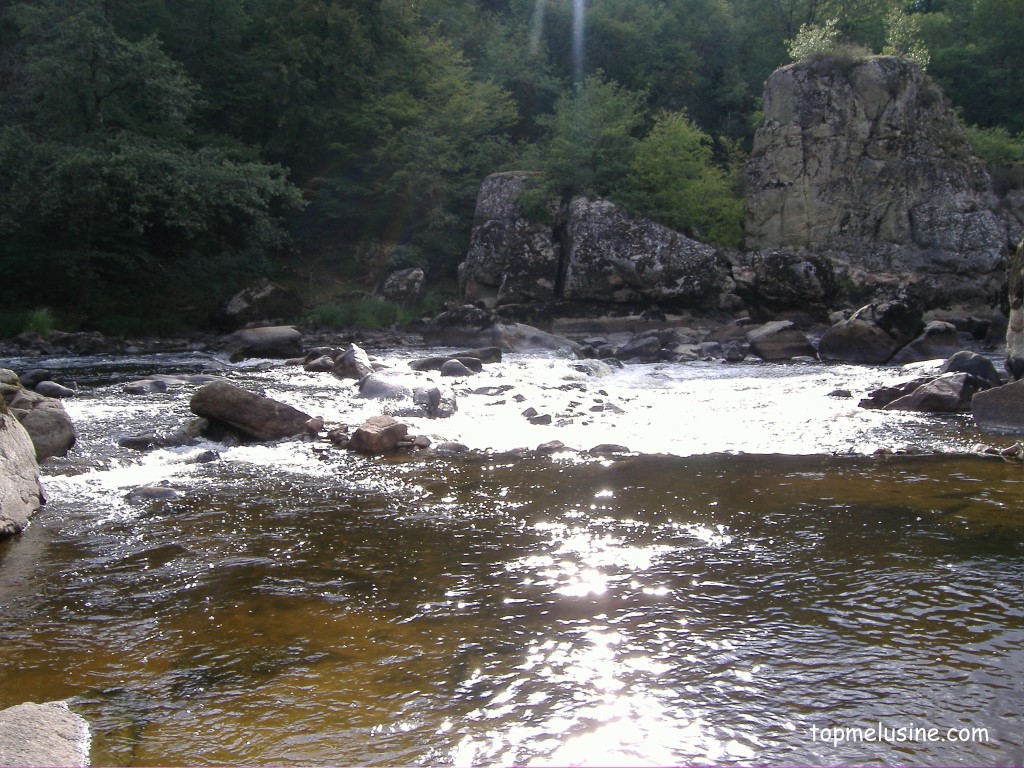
x,y
674,180
103,195
592,138
903,38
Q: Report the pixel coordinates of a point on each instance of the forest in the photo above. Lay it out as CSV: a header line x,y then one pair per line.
x,y
156,155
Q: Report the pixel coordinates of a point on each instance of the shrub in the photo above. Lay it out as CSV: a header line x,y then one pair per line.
x,y
1002,152
41,323
362,312
903,38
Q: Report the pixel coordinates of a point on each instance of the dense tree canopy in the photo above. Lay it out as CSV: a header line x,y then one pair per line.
x,y
148,145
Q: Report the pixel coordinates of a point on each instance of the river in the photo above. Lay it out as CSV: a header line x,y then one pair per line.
x,y
770,575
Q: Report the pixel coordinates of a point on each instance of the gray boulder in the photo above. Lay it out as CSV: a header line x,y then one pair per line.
x,y
378,434
645,349
404,286
255,416
262,301
947,393
21,495
779,340
787,282
54,390
435,362
511,258
938,340
469,325
278,341
408,395
47,423
872,334
1001,409
352,363
43,734
615,257
965,361
455,368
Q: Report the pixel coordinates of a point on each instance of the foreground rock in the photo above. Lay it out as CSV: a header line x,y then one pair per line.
x,y
1001,409
256,417
43,734
21,495
48,425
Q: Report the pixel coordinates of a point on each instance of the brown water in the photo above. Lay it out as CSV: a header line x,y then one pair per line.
x,y
301,606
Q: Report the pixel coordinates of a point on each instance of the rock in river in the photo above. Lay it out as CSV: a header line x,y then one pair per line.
x,y
20,492
257,417
1001,409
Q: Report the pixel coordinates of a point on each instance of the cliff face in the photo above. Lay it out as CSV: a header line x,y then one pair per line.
x,y
865,162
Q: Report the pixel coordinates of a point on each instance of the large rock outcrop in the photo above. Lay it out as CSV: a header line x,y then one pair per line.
x,y
589,251
615,257
864,161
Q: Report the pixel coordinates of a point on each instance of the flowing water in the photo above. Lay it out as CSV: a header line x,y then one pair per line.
x,y
749,574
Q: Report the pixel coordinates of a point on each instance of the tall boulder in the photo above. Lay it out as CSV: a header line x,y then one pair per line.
x,y
864,161
1015,328
511,258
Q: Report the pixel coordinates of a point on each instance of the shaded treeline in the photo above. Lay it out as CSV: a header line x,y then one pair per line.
x,y
154,154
